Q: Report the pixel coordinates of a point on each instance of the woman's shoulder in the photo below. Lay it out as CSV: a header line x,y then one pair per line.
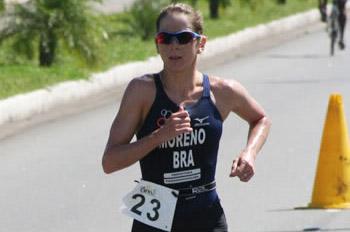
x,y
224,86
145,82
141,89
141,86
229,93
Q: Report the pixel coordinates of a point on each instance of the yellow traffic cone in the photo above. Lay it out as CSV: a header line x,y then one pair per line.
x,y
332,181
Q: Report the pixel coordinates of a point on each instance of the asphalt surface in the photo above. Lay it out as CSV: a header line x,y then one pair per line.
x,y
51,176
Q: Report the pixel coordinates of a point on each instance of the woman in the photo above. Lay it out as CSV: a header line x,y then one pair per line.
x,y
177,115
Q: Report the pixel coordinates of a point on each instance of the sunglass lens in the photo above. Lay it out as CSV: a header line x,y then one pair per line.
x,y
163,38
184,37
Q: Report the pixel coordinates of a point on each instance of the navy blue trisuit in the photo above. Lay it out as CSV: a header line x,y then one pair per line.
x,y
186,163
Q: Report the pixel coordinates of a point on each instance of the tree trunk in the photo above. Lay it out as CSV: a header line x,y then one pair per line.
x,y
214,8
47,48
281,1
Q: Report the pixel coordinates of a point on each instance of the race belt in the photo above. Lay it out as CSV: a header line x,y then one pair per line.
x,y
197,190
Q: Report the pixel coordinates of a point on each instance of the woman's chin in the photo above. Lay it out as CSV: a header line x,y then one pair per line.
x,y
178,66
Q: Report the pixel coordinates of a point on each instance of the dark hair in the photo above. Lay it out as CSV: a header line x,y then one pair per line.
x,y
194,15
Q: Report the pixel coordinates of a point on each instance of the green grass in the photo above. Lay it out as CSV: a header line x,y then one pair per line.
x,y
15,79
19,75
236,18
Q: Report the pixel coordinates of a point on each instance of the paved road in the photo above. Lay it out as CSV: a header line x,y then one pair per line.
x,y
51,177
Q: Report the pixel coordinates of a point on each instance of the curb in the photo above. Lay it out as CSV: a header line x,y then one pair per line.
x,y
25,106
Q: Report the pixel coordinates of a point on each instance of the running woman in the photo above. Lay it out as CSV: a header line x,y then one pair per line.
x,y
177,116
322,5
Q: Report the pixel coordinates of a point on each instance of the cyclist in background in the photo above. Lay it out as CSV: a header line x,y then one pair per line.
x,y
322,4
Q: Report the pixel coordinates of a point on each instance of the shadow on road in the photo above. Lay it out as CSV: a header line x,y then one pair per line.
x,y
311,229
303,208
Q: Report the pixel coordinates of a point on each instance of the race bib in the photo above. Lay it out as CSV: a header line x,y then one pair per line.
x,y
151,204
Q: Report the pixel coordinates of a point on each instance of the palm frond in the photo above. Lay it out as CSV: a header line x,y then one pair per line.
x,y
51,21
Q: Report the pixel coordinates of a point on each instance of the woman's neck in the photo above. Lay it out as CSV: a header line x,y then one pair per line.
x,y
181,82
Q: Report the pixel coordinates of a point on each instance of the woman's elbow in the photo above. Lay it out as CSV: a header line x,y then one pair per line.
x,y
106,166
263,121
267,121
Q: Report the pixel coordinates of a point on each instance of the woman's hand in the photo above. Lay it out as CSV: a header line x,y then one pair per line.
x,y
243,166
178,123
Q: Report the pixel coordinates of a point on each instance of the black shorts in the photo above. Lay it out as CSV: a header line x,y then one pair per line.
x,y
210,219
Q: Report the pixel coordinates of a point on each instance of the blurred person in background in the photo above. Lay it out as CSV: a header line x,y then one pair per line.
x,y
322,5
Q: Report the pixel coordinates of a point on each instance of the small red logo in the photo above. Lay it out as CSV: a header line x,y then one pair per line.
x,y
164,115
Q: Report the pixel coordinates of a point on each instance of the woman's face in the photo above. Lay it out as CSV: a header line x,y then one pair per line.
x,y
177,57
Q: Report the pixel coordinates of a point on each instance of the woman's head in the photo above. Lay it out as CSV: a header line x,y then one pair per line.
x,y
179,36
194,17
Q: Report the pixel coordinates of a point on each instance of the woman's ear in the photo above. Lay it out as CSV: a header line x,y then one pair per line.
x,y
202,42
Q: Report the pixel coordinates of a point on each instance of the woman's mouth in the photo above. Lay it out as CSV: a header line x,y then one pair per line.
x,y
175,57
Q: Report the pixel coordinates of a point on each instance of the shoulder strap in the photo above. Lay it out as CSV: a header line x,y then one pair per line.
x,y
159,85
160,92
157,81
206,86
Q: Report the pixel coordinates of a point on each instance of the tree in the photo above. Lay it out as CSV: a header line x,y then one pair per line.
x,y
143,17
49,23
214,6
281,1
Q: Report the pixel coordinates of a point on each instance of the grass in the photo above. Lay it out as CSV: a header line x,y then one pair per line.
x,y
19,75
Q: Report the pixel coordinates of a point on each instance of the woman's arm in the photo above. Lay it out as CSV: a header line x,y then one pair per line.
x,y
259,125
233,97
119,152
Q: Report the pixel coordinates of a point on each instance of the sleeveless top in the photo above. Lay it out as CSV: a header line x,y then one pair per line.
x,y
189,160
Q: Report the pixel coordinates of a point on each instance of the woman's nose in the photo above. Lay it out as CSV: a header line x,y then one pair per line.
x,y
174,40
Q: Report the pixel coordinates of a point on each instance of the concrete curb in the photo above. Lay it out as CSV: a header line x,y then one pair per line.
x,y
24,106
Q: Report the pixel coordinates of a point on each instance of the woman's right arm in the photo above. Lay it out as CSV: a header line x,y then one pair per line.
x,y
119,152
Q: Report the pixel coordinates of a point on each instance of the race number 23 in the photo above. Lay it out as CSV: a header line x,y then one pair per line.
x,y
142,199
151,204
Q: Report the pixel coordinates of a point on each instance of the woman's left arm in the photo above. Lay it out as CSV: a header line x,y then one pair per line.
x,y
248,109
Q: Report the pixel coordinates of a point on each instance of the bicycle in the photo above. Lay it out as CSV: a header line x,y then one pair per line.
x,y
336,22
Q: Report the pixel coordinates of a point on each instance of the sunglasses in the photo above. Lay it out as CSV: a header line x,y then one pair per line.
x,y
183,37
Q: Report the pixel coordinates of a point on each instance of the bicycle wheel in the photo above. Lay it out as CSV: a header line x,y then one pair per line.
x,y
334,27
333,40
